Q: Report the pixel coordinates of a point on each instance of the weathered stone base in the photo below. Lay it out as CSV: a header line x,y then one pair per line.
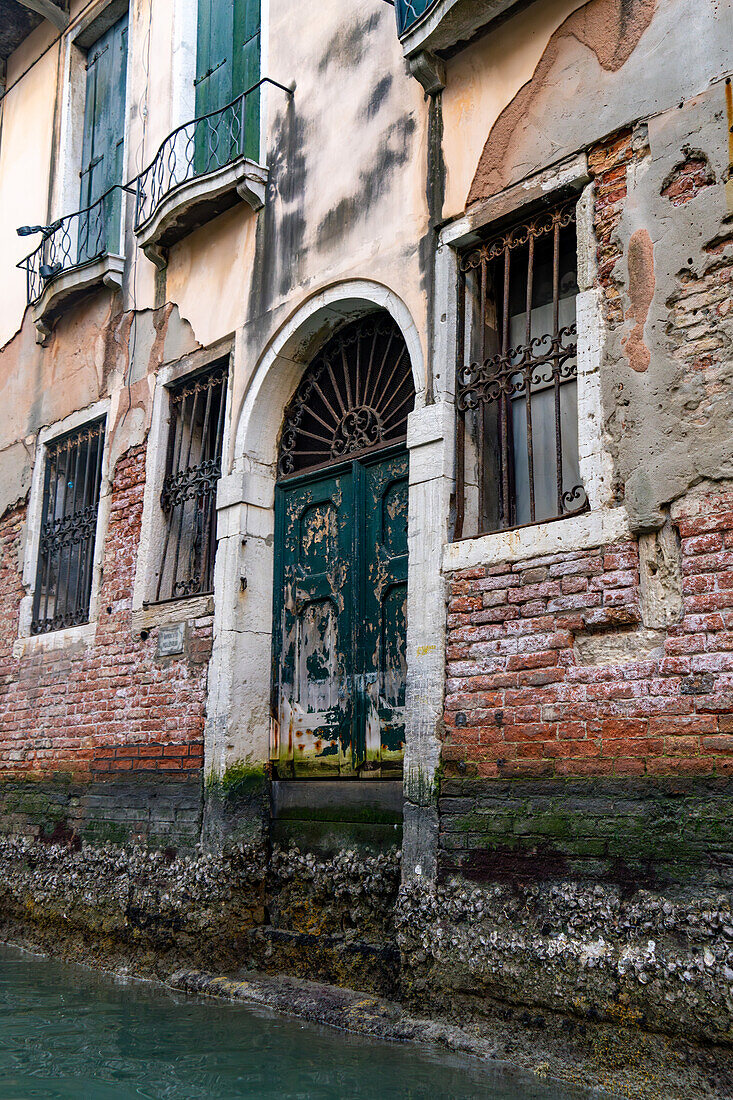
x,y
332,920
618,1058
558,978
658,961
145,808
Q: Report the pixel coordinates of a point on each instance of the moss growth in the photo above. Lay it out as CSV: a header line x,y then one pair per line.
x,y
240,780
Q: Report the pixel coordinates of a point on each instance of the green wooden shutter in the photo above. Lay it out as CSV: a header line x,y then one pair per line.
x,y
247,69
104,139
227,63
214,56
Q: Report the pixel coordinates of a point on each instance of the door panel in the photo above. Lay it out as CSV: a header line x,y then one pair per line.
x,y
313,628
384,620
340,622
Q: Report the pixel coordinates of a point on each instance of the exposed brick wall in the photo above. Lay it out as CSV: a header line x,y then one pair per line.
x,y
608,163
111,710
698,310
688,178
518,701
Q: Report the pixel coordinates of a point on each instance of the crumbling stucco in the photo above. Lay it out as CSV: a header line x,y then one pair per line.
x,y
669,424
640,262
610,29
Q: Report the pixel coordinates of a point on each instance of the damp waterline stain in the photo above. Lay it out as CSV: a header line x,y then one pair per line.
x,y
66,1031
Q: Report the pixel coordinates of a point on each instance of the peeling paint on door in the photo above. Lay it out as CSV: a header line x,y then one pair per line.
x,y
340,621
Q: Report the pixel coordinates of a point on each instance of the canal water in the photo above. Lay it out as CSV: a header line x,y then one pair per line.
x,y
68,1032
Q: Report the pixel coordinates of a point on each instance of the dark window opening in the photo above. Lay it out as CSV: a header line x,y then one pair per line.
x,y
72,480
188,498
516,388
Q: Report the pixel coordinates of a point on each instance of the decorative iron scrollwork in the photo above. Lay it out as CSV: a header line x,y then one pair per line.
x,y
189,488
516,372
68,528
355,397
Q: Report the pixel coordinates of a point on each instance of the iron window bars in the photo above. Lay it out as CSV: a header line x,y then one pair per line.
x,y
354,398
72,480
189,489
73,241
516,392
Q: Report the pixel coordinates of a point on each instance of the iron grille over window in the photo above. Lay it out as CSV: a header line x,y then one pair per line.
x,y
354,398
516,388
189,490
71,485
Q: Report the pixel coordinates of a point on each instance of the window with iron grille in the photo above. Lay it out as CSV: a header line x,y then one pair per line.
x,y
72,479
516,390
188,498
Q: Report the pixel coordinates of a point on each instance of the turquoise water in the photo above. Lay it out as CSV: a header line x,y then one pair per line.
x,y
69,1032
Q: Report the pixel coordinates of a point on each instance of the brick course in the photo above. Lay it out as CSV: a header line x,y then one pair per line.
x,y
111,710
519,703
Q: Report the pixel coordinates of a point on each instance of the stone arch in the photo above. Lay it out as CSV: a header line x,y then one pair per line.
x,y
282,364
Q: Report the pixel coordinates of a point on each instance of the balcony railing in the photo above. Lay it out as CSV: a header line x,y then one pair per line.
x,y
410,11
200,146
74,241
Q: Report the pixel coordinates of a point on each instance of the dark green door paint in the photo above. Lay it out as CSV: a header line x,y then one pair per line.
x,y
103,142
227,64
340,621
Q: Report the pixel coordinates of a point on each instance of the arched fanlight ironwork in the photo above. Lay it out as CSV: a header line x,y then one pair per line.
x,y
353,398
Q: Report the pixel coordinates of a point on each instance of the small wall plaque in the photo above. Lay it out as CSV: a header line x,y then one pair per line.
x,y
170,640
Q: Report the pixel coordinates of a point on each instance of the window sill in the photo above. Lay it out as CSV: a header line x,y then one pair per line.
x,y
71,284
582,532
195,202
83,635
172,612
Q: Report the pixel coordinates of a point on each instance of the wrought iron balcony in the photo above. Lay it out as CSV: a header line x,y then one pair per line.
x,y
76,253
202,168
410,11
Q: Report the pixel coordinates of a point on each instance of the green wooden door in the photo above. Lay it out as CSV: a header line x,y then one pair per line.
x,y
103,143
227,64
383,618
340,621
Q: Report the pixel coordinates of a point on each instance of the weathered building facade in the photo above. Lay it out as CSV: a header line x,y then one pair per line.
x,y
366,485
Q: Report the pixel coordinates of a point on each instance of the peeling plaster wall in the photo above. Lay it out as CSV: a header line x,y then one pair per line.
x,y
482,80
544,86
669,418
26,129
607,64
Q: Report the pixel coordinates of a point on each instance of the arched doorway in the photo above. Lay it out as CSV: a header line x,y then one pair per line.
x,y
339,626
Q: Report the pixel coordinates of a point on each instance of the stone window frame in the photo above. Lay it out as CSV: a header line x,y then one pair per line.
x,y
602,522
27,643
146,613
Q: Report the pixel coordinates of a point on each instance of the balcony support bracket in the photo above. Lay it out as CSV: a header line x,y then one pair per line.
x,y
156,255
429,70
73,284
49,11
